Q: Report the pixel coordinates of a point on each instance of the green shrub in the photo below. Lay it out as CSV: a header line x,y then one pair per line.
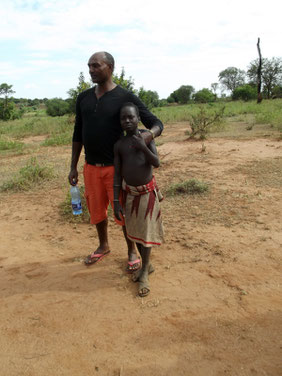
x,y
9,111
192,186
204,96
57,107
202,121
245,93
277,92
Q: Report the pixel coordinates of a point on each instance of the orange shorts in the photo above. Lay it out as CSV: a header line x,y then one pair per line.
x,y
99,191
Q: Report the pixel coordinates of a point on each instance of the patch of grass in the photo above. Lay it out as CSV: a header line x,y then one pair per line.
x,y
36,125
267,112
58,140
28,176
191,187
11,145
66,209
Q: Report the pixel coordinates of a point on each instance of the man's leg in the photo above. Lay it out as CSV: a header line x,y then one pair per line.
x,y
97,202
103,248
102,230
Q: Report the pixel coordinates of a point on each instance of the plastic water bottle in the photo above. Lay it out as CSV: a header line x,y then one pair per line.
x,y
75,200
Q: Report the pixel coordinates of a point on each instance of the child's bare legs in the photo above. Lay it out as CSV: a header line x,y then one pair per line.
x,y
132,253
142,275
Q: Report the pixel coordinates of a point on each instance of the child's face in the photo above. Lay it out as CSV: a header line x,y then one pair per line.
x,y
128,119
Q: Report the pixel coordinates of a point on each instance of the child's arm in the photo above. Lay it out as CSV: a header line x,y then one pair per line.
x,y
150,150
117,182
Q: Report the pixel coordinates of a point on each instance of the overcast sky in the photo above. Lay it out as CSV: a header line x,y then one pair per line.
x,y
162,44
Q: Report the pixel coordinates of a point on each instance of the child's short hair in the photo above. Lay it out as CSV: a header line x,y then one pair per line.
x,y
130,104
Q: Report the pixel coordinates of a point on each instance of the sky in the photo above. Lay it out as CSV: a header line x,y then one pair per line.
x,y
44,45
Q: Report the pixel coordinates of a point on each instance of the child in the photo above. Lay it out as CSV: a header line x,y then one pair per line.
x,y
140,195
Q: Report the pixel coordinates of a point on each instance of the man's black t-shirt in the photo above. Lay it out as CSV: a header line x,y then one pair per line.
x,y
97,123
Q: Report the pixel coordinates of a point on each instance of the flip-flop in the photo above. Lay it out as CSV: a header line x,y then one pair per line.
x,y
136,263
144,289
135,276
95,257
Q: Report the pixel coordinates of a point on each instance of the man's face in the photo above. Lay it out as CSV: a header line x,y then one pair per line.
x,y
99,70
129,119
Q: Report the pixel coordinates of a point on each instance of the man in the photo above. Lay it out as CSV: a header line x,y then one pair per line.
x,y
97,128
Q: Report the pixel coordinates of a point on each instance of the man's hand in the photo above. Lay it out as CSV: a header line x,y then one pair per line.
x,y
118,210
138,142
147,137
73,176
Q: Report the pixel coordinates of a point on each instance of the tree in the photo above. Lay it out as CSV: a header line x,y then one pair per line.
x,y
57,107
271,73
120,80
245,92
148,97
214,87
6,90
231,78
170,99
204,96
259,96
73,93
182,95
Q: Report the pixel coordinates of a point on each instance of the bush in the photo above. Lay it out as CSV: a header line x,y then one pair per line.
x,y
202,121
204,96
57,107
9,111
191,186
245,93
277,92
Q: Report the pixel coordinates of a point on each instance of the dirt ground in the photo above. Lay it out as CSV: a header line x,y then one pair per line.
x,y
215,305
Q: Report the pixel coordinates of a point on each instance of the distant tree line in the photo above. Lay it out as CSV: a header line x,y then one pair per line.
x,y
241,85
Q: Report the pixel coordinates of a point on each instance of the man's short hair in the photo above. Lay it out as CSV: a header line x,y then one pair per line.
x,y
109,60
130,104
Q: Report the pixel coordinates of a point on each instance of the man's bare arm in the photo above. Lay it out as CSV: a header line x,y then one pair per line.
x,y
76,150
148,136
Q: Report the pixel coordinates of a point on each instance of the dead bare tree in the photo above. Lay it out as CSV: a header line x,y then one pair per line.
x,y
259,99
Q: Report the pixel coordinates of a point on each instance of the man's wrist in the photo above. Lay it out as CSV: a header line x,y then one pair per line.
x,y
152,133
